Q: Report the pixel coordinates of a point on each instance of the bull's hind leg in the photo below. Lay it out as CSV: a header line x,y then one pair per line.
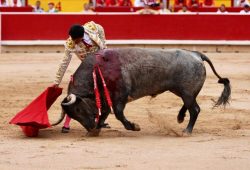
x,y
194,110
118,109
182,114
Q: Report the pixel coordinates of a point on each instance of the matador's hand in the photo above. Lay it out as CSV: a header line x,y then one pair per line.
x,y
55,85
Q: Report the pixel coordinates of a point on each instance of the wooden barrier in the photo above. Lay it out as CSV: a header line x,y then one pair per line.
x,y
228,33
129,26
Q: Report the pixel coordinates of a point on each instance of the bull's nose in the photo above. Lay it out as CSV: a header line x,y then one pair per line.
x,y
89,126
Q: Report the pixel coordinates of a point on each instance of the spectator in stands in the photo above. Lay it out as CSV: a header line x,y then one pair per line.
x,y
52,8
127,3
246,10
152,3
184,9
180,3
163,10
242,3
18,3
193,3
37,8
10,3
111,3
91,3
82,40
139,3
100,3
3,3
147,10
208,3
222,9
171,8
87,8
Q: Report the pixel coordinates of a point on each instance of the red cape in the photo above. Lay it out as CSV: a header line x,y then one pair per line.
x,y
35,116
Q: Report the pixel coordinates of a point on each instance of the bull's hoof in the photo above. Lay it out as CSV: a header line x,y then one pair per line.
x,y
180,118
65,129
94,133
186,133
136,127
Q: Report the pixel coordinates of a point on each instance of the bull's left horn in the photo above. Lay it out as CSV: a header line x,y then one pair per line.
x,y
71,99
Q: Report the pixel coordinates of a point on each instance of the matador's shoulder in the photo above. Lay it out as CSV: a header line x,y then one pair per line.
x,y
96,33
70,44
91,27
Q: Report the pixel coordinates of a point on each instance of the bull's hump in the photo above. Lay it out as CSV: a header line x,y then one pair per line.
x,y
149,56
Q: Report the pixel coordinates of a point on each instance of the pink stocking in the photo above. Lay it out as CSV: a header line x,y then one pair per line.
x,y
67,121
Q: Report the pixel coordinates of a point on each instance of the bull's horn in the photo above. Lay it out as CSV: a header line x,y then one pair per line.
x,y
60,119
71,99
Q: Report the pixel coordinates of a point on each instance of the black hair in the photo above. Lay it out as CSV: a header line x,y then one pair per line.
x,y
76,31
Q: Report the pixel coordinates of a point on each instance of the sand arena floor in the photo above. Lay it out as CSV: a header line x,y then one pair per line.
x,y
220,140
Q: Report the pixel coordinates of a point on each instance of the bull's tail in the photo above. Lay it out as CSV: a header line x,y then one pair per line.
x,y
226,93
60,119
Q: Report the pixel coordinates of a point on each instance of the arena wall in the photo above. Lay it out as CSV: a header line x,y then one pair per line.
x,y
209,32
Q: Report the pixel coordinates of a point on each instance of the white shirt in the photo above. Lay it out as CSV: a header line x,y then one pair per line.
x,y
53,10
219,12
87,39
164,11
38,10
244,12
242,4
139,3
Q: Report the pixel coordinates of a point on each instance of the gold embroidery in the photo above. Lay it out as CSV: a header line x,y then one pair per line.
x,y
96,33
91,26
70,43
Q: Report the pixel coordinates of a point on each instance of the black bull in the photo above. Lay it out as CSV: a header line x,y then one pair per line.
x,y
133,73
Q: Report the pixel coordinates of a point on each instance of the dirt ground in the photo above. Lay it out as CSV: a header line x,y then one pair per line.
x,y
220,140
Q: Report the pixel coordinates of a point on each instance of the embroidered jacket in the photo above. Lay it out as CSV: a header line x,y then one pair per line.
x,y
93,40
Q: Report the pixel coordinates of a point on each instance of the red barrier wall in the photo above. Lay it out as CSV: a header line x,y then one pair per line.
x,y
126,27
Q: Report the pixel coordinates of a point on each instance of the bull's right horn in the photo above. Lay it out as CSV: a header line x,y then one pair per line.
x,y
71,99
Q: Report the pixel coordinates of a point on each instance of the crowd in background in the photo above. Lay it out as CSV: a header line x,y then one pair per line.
x,y
51,8
182,5
11,3
148,6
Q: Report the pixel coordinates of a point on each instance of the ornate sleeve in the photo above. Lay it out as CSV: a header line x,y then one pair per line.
x,y
102,35
63,66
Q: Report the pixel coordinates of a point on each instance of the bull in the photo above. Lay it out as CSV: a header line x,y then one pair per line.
x,y
132,73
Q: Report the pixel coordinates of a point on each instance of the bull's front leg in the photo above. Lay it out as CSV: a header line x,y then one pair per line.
x,y
103,118
118,110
